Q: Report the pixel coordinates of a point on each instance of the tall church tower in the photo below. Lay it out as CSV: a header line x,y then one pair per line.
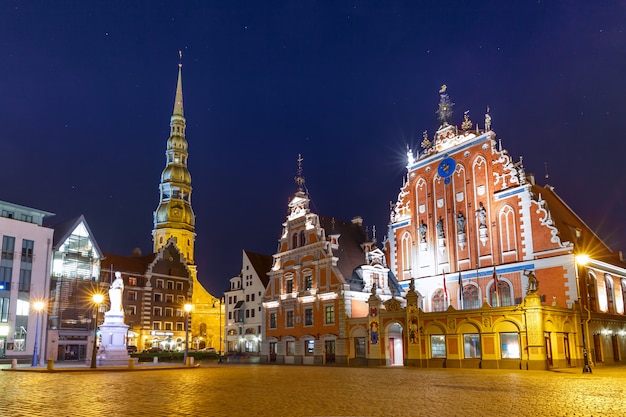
x,y
174,217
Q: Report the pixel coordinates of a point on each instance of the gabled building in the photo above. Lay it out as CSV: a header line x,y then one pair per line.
x,y
322,276
243,326
494,262
74,278
24,279
156,287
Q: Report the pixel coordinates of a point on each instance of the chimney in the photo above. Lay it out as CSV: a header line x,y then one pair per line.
x,y
531,178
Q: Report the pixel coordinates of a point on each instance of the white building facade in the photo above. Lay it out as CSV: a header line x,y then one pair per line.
x,y
24,280
244,314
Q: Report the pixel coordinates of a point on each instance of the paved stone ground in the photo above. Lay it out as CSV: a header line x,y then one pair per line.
x,y
268,390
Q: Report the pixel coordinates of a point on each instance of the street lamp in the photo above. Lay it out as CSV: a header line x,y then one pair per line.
x,y
187,308
97,299
582,260
38,306
220,330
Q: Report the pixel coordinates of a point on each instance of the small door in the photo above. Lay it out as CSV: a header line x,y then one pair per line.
x,y
568,359
272,351
548,348
330,351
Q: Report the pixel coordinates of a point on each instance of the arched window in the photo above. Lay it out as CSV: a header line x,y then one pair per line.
x,y
439,300
407,244
294,241
504,294
507,229
302,238
592,292
610,299
470,297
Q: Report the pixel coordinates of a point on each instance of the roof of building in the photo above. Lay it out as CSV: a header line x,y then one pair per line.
x,y
351,236
64,229
129,264
261,264
573,229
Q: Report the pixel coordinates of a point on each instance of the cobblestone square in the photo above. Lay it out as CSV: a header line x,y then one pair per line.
x,y
266,390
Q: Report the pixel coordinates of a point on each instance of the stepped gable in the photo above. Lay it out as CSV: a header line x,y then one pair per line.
x,y
351,236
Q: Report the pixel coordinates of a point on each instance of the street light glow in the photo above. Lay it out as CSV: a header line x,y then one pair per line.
x,y
38,305
97,298
582,259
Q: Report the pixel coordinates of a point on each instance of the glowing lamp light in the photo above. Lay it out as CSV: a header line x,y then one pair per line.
x,y
98,298
582,259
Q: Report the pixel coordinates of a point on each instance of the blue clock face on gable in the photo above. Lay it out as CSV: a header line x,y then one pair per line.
x,y
446,169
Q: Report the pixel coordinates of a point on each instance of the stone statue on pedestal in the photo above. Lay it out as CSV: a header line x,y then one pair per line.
x,y
115,294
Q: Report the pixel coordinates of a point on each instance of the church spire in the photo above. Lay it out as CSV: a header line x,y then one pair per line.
x,y
174,216
178,102
299,178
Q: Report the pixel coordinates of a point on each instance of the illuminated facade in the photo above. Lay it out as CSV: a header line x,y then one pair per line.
x,y
174,219
322,276
243,327
74,278
492,259
24,271
156,287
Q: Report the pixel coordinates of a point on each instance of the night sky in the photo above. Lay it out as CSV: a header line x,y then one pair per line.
x,y
87,90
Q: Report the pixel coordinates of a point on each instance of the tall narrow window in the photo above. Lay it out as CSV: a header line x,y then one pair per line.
x,y
610,299
294,241
329,314
407,245
470,297
308,317
289,320
302,238
308,282
439,300
289,285
592,292
27,250
503,297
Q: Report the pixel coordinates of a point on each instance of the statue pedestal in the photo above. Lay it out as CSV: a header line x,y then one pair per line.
x,y
113,346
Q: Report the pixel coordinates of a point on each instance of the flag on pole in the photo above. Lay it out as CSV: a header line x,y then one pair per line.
x,y
496,286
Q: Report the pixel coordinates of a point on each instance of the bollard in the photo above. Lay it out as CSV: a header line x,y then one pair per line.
x,y
188,361
193,359
13,363
131,364
155,359
50,364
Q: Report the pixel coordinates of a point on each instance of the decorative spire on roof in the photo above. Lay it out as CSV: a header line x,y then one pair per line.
x,y
178,102
487,120
425,140
445,106
299,178
467,123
